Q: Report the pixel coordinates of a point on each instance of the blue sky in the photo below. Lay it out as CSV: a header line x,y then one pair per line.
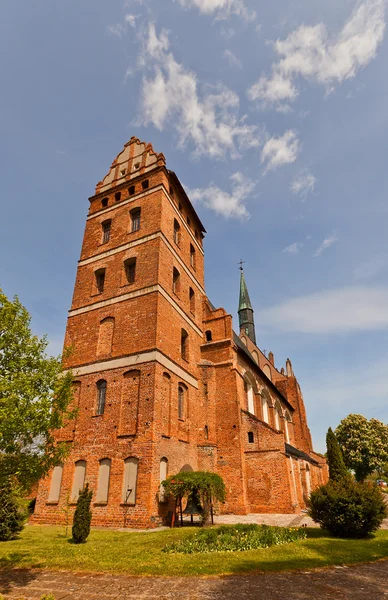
x,y
274,117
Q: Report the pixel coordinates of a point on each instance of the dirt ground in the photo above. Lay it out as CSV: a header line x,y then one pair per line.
x,y
338,583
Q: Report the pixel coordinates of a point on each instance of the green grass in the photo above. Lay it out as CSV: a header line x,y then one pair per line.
x,y
141,553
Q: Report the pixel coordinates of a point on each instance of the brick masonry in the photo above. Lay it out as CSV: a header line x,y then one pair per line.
x,y
187,407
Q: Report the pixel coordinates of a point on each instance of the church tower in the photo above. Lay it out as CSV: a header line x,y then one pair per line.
x,y
245,311
135,330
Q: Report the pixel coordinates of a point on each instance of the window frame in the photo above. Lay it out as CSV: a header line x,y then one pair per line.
x,y
135,215
101,386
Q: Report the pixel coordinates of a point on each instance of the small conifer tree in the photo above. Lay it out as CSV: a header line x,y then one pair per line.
x,y
337,469
82,516
11,516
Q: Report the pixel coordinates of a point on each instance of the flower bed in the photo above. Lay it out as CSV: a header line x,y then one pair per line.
x,y
235,538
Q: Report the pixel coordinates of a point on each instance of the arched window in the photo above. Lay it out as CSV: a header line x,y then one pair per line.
x,y
106,227
79,479
101,396
177,232
192,256
130,394
184,344
264,407
250,395
135,214
163,468
166,404
277,416
103,480
176,281
287,426
130,480
181,402
255,356
56,482
208,335
105,336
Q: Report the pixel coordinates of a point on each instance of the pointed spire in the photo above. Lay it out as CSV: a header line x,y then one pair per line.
x,y
245,310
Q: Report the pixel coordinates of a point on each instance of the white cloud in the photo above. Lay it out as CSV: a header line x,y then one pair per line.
x,y
293,248
222,9
343,310
278,151
228,205
120,29
309,52
371,268
131,20
303,184
232,59
170,96
326,244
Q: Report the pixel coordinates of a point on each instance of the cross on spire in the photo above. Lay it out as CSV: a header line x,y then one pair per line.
x,y
241,264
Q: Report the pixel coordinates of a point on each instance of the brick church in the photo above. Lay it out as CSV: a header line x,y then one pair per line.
x,y
162,382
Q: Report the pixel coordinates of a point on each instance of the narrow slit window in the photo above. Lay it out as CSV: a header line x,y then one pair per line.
x,y
130,270
177,232
251,437
100,280
101,396
208,335
184,344
192,300
117,196
192,256
106,228
181,402
176,279
135,219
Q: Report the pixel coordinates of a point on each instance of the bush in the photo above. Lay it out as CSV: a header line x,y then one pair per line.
x,y
82,517
235,538
12,516
348,508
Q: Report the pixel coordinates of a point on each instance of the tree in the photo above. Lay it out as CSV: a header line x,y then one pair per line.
x,y
337,468
364,444
12,516
35,398
82,516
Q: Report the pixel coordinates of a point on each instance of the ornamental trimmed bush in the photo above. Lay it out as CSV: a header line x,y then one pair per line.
x,y
12,517
348,508
82,516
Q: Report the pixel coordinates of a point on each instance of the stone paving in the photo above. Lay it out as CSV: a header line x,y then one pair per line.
x,y
338,583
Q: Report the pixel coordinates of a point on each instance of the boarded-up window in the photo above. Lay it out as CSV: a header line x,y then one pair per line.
x,y
130,480
56,481
166,404
130,391
264,407
79,479
103,480
105,336
267,371
181,402
163,476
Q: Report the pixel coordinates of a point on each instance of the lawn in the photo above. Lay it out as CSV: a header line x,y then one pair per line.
x,y
141,553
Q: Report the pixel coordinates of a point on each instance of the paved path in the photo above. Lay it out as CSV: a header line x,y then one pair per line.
x,y
339,583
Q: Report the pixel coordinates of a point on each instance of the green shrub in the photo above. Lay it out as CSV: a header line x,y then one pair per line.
x,y
12,516
235,538
82,516
348,508
48,597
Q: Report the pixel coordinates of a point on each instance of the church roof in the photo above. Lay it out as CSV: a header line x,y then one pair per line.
x,y
299,454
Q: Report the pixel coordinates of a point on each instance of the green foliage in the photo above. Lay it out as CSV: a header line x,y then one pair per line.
x,y
12,516
348,508
48,597
82,516
208,486
235,538
337,468
35,395
364,444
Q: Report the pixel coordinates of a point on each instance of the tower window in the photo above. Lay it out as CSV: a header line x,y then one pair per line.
x,y
130,269
181,402
106,226
118,196
122,172
135,219
145,184
131,190
101,396
192,256
188,220
206,432
176,281
192,300
100,280
177,232
104,202
251,437
171,191
184,344
208,335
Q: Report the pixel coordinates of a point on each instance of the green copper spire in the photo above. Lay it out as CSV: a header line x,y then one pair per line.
x,y
245,310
